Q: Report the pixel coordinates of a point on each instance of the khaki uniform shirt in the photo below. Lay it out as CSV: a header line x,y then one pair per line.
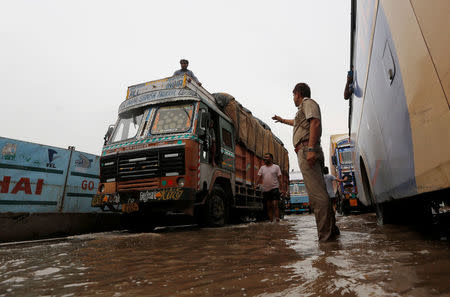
x,y
307,110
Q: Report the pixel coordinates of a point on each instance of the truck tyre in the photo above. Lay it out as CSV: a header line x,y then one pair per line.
x,y
216,209
345,207
261,215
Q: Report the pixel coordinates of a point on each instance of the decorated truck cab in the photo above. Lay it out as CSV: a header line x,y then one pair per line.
x,y
176,148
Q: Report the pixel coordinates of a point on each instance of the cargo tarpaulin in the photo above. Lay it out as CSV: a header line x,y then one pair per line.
x,y
243,126
259,140
252,132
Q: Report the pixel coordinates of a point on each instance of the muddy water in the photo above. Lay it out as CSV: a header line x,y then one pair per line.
x,y
255,259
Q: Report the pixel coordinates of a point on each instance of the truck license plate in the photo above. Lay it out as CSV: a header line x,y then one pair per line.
x,y
130,207
353,202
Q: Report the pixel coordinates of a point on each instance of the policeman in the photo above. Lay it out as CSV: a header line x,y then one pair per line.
x,y
306,139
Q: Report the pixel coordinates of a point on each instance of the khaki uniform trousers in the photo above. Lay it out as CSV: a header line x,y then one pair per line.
x,y
318,195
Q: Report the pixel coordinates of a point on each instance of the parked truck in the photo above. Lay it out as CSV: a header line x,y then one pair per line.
x,y
342,166
298,200
177,149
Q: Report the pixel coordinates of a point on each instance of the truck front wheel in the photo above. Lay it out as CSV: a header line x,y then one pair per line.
x,y
216,208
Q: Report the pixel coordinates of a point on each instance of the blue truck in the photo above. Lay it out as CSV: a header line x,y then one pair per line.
x,y
299,200
341,166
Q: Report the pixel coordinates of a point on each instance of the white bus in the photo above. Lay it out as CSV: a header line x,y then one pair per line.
x,y
399,110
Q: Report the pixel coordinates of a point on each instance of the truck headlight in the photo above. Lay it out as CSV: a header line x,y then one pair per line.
x,y
180,182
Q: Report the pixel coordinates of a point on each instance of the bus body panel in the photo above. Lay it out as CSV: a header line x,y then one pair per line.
x,y
399,114
423,47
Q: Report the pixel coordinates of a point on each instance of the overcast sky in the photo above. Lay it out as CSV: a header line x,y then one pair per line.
x,y
65,65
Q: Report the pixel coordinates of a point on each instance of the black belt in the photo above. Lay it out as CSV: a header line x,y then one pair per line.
x,y
301,144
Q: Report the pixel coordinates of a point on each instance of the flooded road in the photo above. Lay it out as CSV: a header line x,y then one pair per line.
x,y
254,259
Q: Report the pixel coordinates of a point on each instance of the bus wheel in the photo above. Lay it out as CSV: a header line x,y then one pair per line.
x,y
215,208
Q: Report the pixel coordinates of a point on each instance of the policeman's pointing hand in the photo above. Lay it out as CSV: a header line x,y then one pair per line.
x,y
276,118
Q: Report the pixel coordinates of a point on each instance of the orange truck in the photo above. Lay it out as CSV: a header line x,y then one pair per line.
x,y
177,149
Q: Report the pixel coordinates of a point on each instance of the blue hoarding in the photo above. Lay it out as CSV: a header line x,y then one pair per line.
x,y
44,179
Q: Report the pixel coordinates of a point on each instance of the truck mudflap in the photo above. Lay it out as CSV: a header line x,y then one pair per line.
x,y
353,202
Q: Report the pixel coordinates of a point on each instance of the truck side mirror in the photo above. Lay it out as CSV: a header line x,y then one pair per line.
x,y
203,122
334,160
108,134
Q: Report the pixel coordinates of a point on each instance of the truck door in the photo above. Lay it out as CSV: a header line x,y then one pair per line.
x,y
203,134
226,145
207,131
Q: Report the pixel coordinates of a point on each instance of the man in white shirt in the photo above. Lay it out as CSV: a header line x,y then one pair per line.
x,y
270,174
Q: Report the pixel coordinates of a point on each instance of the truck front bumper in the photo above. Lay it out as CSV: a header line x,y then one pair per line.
x,y
159,200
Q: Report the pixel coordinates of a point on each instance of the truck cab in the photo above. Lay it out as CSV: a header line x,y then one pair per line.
x,y
159,156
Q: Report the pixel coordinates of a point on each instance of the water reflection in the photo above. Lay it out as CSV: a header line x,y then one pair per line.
x,y
265,259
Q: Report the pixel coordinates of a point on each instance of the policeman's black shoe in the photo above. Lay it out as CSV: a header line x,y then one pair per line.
x,y
336,231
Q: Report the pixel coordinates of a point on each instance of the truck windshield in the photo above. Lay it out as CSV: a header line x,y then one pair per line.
x,y
298,189
173,119
346,157
127,127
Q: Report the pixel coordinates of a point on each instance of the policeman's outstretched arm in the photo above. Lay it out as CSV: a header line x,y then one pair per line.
x,y
279,119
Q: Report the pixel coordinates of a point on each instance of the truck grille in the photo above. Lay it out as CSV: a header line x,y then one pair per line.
x,y
108,169
142,165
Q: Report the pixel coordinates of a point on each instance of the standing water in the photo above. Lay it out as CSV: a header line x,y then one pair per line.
x,y
255,259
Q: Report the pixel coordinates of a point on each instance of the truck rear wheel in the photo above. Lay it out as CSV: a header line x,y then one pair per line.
x,y
216,209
